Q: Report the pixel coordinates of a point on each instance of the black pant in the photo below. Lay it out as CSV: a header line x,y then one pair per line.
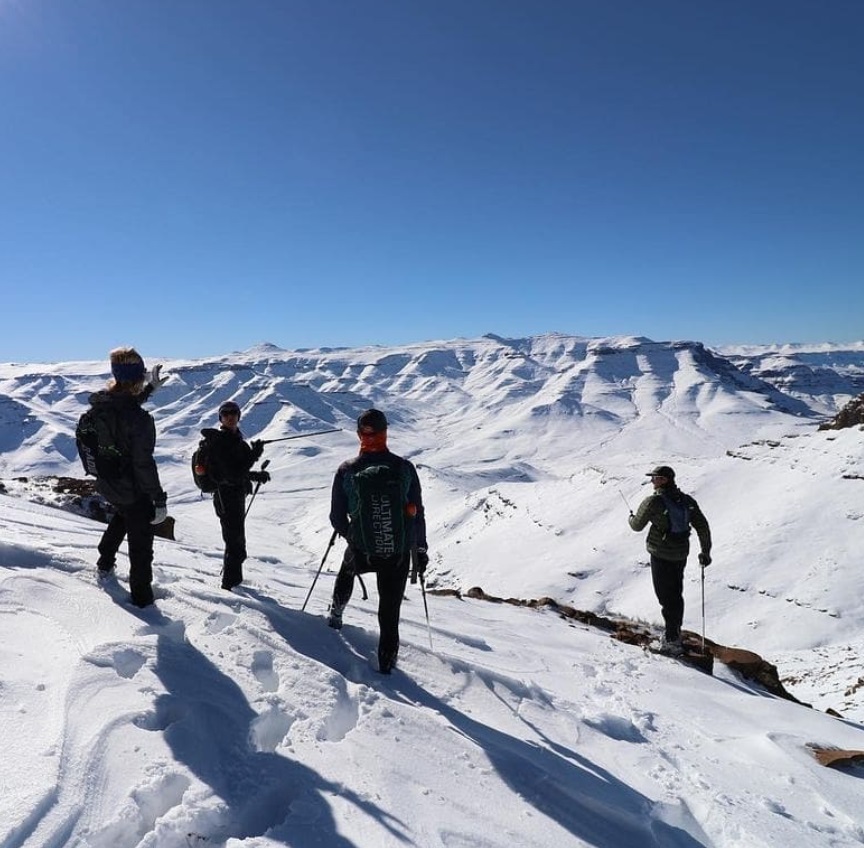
x,y
668,577
132,522
391,580
230,505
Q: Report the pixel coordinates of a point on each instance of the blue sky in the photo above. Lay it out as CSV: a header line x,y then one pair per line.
x,y
197,177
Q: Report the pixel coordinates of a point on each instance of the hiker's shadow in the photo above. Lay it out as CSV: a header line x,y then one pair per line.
x,y
580,796
206,719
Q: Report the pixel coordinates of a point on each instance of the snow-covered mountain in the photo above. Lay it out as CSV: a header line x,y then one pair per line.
x,y
527,450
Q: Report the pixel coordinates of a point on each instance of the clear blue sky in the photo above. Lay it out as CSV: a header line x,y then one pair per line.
x,y
198,176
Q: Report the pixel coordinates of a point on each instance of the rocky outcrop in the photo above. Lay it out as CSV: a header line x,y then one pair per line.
x,y
851,415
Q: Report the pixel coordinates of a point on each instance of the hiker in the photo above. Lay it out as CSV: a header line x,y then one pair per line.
x,y
133,486
230,459
671,514
377,506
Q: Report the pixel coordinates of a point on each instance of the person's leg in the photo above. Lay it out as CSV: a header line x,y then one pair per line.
x,y
391,590
668,579
110,542
343,589
140,539
231,509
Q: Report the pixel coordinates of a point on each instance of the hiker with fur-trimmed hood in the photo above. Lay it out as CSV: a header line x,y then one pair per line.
x,y
377,506
134,491
671,514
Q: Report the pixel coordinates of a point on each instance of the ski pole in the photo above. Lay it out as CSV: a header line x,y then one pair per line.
x,y
703,609
297,436
415,571
626,502
320,567
426,609
257,487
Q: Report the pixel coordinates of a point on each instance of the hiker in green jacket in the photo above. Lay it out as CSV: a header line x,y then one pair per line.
x,y
671,514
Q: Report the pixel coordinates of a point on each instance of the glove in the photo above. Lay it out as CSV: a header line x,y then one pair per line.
x,y
155,379
422,560
259,476
704,560
257,449
160,513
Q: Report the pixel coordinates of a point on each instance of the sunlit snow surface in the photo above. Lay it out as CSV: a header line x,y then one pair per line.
x,y
228,719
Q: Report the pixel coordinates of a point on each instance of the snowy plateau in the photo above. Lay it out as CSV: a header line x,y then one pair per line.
x,y
236,718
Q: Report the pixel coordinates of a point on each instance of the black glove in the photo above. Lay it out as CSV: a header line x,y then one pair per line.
x,y
259,476
704,560
257,449
422,560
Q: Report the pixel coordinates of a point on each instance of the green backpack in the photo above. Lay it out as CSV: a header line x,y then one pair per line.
x,y
377,505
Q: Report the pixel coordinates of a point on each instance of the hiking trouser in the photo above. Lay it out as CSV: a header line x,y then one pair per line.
x,y
668,578
132,521
230,505
391,580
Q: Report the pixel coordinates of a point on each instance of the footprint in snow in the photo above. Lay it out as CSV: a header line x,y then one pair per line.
x,y
262,668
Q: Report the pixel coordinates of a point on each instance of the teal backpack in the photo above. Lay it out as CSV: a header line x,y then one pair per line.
x,y
377,505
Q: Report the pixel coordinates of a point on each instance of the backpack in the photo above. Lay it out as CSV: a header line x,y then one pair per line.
x,y
377,505
200,466
95,437
679,516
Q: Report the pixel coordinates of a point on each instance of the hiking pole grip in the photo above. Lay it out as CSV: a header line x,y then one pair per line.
x,y
415,565
257,487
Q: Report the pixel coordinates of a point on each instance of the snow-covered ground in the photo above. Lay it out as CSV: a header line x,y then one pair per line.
x,y
228,719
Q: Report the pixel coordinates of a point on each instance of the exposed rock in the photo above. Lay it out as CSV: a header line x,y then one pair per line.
x,y
851,415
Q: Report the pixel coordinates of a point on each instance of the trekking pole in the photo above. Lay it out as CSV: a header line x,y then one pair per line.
x,y
298,436
320,567
626,502
415,570
257,487
703,609
426,609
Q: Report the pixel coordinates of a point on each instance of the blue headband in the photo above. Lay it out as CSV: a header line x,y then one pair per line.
x,y
128,372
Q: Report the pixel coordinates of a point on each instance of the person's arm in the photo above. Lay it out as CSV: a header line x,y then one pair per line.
x,y
415,497
339,505
144,471
703,530
643,514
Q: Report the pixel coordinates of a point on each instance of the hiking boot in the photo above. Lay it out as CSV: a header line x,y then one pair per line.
x,y
334,620
105,573
387,662
672,647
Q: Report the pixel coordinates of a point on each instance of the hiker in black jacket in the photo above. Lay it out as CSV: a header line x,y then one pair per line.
x,y
370,546
134,491
671,513
230,459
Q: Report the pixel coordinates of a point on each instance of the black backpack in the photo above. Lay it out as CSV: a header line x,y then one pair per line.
x,y
678,512
200,466
377,505
102,453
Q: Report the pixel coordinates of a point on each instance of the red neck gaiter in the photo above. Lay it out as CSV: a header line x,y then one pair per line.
x,y
373,442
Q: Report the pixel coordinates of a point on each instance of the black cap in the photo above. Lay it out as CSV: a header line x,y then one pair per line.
x,y
372,419
230,407
662,471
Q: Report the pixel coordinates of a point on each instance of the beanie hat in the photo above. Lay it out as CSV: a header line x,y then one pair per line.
x,y
127,366
372,419
662,471
230,407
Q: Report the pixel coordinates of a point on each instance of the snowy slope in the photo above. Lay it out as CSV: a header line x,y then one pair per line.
x,y
517,728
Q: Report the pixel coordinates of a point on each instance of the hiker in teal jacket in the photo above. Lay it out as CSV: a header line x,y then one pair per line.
x,y
671,514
